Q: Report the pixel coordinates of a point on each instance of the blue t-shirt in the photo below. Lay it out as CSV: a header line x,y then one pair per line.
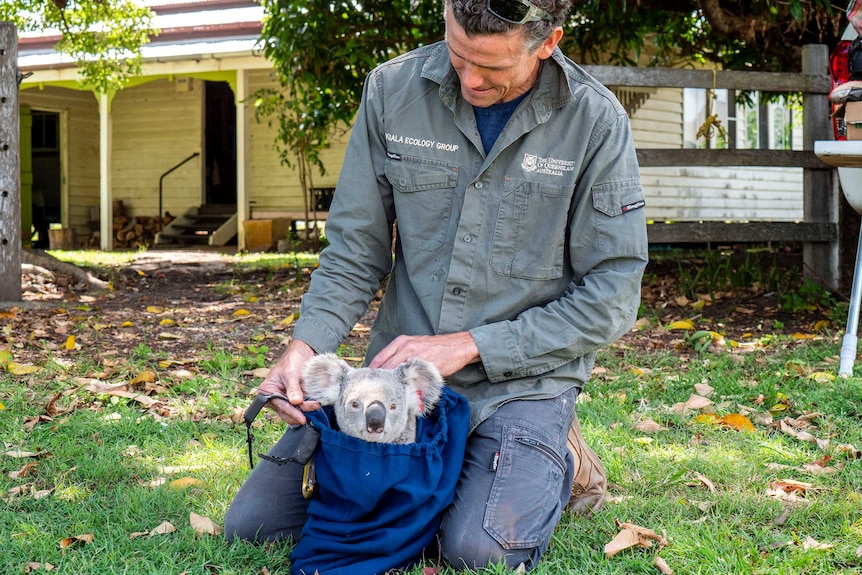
x,y
492,119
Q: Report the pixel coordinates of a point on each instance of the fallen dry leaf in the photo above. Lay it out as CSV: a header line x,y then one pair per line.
x,y
168,335
811,544
848,450
694,403
649,426
184,482
623,540
119,390
164,528
817,469
681,324
32,422
662,566
21,368
706,419
67,542
791,485
632,535
34,566
705,480
146,376
788,429
704,389
736,421
203,525
20,490
24,454
24,471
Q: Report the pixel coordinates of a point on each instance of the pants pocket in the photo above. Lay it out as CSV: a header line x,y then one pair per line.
x,y
524,503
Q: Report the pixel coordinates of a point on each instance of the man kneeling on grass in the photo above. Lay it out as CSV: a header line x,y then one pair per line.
x,y
520,249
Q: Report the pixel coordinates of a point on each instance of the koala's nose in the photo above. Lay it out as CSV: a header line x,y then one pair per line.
x,y
375,417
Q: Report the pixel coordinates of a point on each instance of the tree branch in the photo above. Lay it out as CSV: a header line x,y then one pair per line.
x,y
742,27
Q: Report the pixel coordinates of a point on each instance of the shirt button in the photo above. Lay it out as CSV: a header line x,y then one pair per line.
x,y
479,185
456,291
468,238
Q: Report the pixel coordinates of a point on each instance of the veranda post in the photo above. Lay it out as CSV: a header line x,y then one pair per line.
x,y
10,168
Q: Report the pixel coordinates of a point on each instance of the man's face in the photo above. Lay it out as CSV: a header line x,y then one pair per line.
x,y
493,68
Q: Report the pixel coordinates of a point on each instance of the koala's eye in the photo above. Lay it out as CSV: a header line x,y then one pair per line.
x,y
393,407
354,404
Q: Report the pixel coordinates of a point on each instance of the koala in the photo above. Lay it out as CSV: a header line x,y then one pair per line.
x,y
378,405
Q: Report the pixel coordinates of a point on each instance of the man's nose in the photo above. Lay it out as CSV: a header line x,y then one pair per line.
x,y
470,77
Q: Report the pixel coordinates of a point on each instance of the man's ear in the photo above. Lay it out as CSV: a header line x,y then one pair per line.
x,y
547,47
322,378
423,385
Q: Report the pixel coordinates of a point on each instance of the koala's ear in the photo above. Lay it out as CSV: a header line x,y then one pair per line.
x,y
423,383
322,377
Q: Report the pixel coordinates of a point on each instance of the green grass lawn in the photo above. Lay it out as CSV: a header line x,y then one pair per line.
x,y
782,497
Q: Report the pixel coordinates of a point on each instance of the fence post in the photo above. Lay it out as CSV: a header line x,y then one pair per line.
x,y
820,193
10,168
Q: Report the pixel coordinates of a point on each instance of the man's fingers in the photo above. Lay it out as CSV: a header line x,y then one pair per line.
x,y
309,406
288,412
398,351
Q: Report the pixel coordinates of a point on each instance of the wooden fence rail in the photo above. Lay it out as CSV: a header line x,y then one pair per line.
x,y
821,196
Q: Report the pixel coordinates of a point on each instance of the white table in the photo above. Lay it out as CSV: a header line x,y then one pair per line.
x,y
846,155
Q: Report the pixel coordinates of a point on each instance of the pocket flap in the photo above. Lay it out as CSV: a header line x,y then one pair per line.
x,y
617,198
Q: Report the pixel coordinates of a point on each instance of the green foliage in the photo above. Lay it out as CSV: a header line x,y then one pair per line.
x,y
809,296
104,37
752,35
322,52
713,271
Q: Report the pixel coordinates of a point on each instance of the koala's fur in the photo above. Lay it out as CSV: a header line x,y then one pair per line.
x,y
379,405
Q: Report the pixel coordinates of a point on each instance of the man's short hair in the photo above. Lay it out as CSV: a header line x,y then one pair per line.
x,y
474,17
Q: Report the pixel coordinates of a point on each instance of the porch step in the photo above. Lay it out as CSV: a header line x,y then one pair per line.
x,y
209,224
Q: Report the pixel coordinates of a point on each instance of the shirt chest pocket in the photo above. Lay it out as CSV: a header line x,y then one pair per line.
x,y
619,218
530,232
424,193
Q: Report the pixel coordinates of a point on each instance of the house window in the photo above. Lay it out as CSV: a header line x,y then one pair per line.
x,y
322,198
752,123
45,131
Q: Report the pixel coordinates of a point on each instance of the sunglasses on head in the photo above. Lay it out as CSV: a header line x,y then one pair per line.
x,y
517,11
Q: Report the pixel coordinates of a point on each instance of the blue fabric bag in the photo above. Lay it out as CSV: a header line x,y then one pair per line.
x,y
377,506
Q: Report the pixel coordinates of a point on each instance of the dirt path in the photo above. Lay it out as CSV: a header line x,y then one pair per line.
x,y
183,304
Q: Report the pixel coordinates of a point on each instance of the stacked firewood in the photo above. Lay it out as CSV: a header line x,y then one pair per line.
x,y
133,232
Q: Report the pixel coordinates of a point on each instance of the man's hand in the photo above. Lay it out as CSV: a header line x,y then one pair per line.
x,y
448,353
284,378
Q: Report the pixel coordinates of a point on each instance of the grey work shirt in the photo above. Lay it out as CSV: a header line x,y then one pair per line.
x,y
537,249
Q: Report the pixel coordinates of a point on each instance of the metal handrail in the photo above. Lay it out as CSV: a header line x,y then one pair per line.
x,y
162,179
